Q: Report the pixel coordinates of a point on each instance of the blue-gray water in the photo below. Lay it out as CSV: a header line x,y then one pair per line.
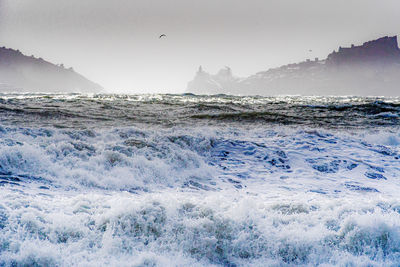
x,y
186,180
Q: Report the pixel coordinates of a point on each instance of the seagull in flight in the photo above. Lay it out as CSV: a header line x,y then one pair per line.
x,y
161,36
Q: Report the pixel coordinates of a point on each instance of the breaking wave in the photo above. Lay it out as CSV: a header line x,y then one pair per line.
x,y
211,180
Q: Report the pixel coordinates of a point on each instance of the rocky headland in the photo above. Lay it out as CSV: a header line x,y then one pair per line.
x,y
20,73
372,68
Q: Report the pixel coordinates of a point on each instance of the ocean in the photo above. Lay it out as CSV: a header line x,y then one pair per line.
x,y
188,180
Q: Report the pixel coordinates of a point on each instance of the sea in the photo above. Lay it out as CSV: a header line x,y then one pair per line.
x,y
190,180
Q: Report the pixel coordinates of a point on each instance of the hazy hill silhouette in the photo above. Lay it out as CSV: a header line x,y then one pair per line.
x,y
29,74
372,68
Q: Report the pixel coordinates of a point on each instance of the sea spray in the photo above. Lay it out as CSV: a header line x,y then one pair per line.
x,y
123,186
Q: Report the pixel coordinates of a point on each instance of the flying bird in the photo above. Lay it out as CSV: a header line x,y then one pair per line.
x,y
161,36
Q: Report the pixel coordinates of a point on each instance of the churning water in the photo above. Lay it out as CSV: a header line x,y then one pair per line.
x,y
186,180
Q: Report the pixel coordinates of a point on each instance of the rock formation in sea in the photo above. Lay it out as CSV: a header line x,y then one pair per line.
x,y
20,73
372,68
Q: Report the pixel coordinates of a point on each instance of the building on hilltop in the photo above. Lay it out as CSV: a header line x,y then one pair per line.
x,y
384,50
370,69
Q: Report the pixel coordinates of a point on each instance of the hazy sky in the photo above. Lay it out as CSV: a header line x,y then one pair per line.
x,y
115,42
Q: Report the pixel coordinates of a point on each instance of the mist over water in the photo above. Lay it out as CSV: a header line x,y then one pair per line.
x,y
187,180
116,44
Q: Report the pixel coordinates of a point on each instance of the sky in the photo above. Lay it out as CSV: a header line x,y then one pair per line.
x,y
116,43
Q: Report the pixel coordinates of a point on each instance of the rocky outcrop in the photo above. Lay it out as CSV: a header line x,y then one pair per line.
x,y
370,69
29,74
205,83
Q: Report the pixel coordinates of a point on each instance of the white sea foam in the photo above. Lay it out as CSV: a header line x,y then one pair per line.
x,y
185,228
130,158
230,195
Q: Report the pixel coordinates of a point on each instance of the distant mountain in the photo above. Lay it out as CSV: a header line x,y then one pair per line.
x,y
29,74
369,69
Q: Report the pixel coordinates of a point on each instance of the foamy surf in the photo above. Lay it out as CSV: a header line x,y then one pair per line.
x,y
212,180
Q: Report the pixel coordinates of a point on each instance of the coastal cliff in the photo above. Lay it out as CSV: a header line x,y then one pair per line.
x,y
22,73
372,68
